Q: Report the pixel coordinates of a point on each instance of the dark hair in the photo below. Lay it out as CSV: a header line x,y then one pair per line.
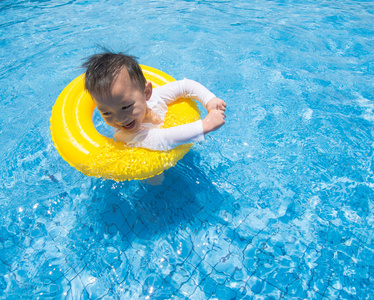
x,y
103,68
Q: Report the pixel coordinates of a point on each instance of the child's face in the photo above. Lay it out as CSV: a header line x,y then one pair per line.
x,y
126,106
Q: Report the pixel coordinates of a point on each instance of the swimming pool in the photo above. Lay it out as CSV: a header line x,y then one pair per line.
x,y
278,204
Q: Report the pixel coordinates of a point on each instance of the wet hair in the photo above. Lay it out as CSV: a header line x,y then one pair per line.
x,y
103,68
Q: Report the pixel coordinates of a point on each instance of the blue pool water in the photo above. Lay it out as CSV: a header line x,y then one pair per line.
x,y
277,204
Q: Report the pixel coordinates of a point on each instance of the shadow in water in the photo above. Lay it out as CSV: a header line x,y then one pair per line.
x,y
137,209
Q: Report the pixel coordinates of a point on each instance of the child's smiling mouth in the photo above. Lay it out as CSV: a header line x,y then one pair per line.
x,y
130,125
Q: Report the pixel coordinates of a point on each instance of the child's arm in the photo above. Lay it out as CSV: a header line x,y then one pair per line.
x,y
190,89
167,138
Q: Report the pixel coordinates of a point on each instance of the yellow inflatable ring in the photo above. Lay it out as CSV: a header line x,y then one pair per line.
x,y
79,143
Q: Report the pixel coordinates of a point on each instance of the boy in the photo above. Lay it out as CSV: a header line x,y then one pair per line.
x,y
128,103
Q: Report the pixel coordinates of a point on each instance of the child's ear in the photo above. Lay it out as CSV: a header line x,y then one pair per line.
x,y
148,90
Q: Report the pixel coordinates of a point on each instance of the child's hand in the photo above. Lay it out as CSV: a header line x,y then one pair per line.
x,y
216,103
214,120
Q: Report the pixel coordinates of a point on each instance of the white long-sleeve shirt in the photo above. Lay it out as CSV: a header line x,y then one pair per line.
x,y
153,137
